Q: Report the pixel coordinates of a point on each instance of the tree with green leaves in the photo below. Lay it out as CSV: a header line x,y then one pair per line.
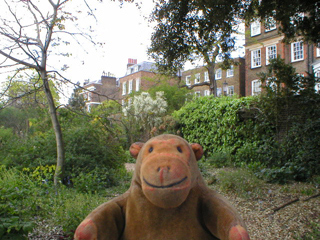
x,y
297,18
192,30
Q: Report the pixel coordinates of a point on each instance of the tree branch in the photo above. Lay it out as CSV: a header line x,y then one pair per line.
x,y
19,61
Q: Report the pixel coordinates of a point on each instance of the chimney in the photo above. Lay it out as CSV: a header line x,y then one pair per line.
x,y
131,62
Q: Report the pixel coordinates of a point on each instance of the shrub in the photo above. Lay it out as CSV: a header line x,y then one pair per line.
x,y
16,208
240,181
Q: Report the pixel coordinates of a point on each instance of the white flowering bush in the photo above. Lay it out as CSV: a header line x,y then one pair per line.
x,y
147,111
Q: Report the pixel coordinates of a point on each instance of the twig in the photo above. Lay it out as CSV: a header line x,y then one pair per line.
x,y
313,196
293,201
286,204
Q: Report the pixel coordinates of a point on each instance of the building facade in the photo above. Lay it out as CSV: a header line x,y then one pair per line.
x,y
229,82
264,42
96,92
138,78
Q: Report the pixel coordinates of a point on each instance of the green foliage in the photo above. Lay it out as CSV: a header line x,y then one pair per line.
x,y
188,30
24,200
16,209
88,144
174,95
220,159
215,124
239,181
277,137
99,179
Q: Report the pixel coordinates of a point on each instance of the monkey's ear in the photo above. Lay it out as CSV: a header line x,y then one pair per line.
x,y
135,149
197,149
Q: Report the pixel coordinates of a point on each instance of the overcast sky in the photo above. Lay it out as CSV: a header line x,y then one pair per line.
x,y
125,32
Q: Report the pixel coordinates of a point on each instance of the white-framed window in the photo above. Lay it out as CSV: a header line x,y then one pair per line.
x,y
270,82
129,101
318,52
218,73
256,87
219,91
206,92
136,68
270,24
206,76
188,80
230,71
130,86
297,51
197,94
255,28
137,84
256,58
317,84
317,87
271,52
124,88
230,90
197,78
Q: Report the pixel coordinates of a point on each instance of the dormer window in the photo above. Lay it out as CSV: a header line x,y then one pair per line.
x,y
197,78
255,28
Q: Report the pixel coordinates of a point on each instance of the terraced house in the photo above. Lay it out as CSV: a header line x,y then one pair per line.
x,y
263,42
229,81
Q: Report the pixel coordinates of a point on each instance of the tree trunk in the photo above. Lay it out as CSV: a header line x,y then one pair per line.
x,y
57,129
212,79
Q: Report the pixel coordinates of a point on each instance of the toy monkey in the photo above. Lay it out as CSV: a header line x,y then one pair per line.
x,y
167,199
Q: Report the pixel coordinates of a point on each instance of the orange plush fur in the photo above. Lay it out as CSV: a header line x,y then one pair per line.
x,y
167,199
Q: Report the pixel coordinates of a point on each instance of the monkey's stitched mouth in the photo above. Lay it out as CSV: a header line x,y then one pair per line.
x,y
166,186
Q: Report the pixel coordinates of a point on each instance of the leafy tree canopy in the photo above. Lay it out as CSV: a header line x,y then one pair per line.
x,y
187,30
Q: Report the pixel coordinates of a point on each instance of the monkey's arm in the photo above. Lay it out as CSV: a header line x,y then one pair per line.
x,y
221,218
106,222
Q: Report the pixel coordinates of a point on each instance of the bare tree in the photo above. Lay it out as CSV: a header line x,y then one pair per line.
x,y
27,34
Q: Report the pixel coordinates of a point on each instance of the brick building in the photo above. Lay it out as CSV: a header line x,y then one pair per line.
x,y
229,82
263,42
138,78
100,90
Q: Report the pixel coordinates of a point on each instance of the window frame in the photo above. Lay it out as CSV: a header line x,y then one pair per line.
x,y
230,71
124,88
254,93
255,28
130,86
188,80
219,92
272,27
293,59
138,84
268,55
218,71
318,52
197,94
252,58
197,78
229,88
206,76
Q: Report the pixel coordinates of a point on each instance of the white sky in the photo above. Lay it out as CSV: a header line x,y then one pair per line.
x,y
125,33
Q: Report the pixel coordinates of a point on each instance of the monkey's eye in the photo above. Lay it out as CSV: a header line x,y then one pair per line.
x,y
179,149
150,149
